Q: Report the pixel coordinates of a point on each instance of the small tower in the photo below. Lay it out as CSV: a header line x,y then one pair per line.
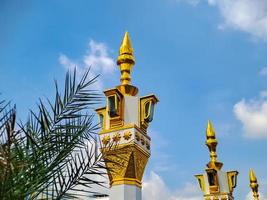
x,y
123,135
254,184
214,183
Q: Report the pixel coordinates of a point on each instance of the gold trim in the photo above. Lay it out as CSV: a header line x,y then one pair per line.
x,y
201,182
115,121
126,181
231,182
118,129
128,89
220,194
149,96
119,146
123,128
102,111
143,118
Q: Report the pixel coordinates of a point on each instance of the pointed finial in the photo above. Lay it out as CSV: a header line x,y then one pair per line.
x,y
212,142
252,176
126,46
210,133
126,61
254,184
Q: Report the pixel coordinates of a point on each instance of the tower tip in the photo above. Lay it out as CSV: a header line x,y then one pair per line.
x,y
126,48
210,133
254,184
252,176
211,143
125,62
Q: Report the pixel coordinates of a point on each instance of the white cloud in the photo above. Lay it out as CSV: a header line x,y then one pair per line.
x,y
253,116
155,188
249,16
66,62
97,58
245,15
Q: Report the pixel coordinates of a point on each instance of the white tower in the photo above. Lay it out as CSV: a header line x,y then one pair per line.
x,y
215,183
124,122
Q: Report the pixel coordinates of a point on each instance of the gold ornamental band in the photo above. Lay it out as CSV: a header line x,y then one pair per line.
x,y
126,181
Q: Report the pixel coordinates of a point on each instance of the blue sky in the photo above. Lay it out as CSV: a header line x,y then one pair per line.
x,y
204,59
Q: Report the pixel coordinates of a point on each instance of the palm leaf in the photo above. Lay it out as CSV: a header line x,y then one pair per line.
x,y
55,152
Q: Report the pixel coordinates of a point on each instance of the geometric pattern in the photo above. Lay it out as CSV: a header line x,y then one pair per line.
x,y
125,164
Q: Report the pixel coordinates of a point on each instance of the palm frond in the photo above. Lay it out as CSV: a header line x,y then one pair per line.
x,y
56,151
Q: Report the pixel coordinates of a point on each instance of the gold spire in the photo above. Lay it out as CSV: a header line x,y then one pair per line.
x,y
126,48
210,130
252,176
126,61
212,142
254,184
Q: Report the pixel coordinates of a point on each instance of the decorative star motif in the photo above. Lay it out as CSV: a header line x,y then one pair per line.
x,y
106,139
127,135
142,140
137,136
116,137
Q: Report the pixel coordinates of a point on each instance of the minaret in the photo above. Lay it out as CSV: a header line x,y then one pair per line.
x,y
123,135
254,184
215,183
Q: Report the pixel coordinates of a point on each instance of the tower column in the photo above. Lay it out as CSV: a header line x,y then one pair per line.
x,y
123,192
124,138
215,183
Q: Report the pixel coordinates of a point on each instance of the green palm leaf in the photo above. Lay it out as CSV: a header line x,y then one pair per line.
x,y
55,153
